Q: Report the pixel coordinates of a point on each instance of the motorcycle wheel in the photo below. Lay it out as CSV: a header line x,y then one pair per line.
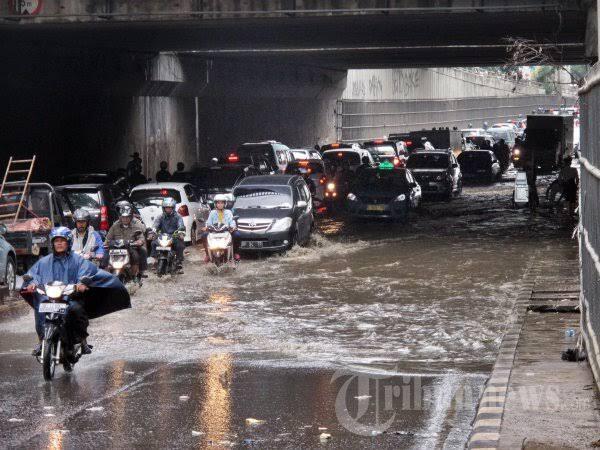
x,y
48,363
161,268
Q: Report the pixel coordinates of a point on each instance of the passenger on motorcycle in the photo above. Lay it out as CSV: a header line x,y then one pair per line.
x,y
70,268
86,241
170,222
128,228
64,266
224,216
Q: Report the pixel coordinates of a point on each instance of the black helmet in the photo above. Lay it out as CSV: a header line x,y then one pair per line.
x,y
81,215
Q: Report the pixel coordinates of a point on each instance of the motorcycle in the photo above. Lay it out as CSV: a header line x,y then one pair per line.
x,y
165,254
220,245
56,348
119,261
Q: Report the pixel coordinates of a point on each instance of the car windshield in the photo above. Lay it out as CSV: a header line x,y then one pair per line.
x,y
475,159
381,180
148,197
267,197
334,157
222,177
88,199
428,161
500,133
382,150
479,141
303,167
300,154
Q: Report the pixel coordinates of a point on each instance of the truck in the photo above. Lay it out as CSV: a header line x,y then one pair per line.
x,y
440,138
29,232
547,139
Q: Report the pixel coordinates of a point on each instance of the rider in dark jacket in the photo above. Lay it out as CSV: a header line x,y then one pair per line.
x,y
170,222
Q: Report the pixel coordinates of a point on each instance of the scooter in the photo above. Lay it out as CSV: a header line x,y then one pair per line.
x,y
165,255
220,245
55,344
119,261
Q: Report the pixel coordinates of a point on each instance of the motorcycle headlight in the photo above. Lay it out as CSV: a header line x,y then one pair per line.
x,y
164,242
54,291
118,264
517,152
331,186
401,198
282,224
351,197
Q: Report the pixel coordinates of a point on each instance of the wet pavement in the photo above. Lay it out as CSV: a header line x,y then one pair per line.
x,y
384,334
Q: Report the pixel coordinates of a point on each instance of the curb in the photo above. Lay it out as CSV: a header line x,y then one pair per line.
x,y
485,432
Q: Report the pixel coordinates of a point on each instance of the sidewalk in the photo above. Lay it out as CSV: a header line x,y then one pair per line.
x,y
533,399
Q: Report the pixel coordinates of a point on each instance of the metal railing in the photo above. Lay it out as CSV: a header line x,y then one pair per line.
x,y
589,213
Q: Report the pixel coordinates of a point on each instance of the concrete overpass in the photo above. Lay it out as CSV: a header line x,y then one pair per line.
x,y
91,81
334,34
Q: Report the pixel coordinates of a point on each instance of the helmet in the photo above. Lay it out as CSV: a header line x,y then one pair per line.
x,y
220,198
169,202
62,232
81,215
122,203
125,211
164,165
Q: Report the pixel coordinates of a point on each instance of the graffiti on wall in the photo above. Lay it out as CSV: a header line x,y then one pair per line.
x,y
405,82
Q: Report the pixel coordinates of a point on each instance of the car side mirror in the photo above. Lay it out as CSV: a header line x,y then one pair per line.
x,y
3,229
301,204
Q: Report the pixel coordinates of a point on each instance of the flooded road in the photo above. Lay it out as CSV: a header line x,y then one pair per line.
x,y
381,333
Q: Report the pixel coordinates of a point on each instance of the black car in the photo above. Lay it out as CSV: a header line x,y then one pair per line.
x,y
437,172
98,199
274,212
479,165
377,192
221,179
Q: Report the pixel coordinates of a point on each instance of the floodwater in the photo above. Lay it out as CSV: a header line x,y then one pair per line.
x,y
384,334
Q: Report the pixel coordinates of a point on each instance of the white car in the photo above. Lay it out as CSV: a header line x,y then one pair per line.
x,y
305,153
148,198
351,156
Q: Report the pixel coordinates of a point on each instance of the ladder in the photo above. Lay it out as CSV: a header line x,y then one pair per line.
x,y
15,184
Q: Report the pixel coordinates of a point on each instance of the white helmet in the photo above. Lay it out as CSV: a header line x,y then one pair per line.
x,y
220,198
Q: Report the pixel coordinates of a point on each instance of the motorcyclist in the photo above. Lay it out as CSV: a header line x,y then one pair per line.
x,y
426,144
220,215
163,174
170,222
128,228
70,268
86,241
60,261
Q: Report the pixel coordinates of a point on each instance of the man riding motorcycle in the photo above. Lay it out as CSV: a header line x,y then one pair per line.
x,y
86,241
101,294
170,222
128,228
224,216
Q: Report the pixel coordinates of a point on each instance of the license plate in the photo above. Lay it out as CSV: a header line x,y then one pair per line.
x,y
163,248
118,252
252,244
375,207
47,307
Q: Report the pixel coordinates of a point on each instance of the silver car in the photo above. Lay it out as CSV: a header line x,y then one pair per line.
x,y
8,265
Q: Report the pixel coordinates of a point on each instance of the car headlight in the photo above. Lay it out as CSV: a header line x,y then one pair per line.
x,y
54,291
351,197
401,198
331,186
282,224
